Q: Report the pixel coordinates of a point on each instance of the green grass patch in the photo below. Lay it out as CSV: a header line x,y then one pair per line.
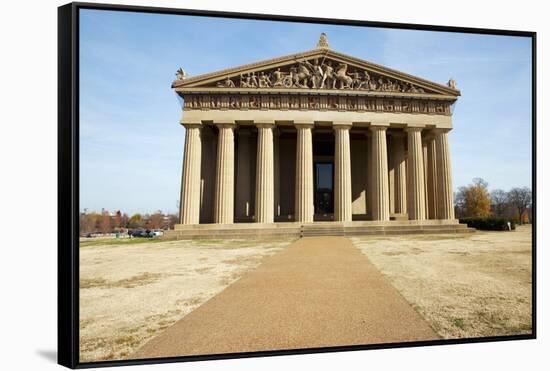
x,y
458,322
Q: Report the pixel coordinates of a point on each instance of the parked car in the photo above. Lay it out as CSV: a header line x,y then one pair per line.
x,y
139,233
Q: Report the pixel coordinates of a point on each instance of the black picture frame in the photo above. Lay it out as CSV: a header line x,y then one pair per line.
x,y
68,180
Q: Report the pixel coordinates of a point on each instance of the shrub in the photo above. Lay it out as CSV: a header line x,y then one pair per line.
x,y
489,223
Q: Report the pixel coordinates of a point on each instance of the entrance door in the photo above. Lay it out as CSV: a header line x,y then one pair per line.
x,y
324,190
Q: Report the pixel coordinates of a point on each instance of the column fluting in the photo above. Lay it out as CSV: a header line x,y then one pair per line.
x,y
342,174
191,176
431,184
264,174
303,208
379,161
224,196
445,203
416,190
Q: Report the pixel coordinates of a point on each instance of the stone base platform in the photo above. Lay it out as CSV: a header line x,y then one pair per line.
x,y
297,230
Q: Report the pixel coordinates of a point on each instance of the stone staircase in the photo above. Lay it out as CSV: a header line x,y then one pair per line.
x,y
322,229
297,230
235,231
403,229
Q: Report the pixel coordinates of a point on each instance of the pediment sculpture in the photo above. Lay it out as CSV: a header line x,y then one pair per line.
x,y
312,74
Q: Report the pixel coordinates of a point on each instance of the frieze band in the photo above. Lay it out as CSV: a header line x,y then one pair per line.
x,y
303,102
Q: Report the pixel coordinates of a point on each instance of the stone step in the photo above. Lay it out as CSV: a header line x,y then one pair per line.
x,y
237,233
404,232
407,227
315,229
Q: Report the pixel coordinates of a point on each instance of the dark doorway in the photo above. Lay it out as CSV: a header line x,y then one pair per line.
x,y
324,189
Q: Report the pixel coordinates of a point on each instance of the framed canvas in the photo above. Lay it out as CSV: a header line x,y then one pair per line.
x,y
240,185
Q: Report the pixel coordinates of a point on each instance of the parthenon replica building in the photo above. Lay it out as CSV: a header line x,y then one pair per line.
x,y
317,141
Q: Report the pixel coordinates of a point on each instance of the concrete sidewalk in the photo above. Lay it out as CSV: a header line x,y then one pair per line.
x,y
318,292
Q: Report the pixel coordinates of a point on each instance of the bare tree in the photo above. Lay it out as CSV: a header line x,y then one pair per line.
x,y
105,225
173,220
124,220
155,220
499,199
521,199
117,220
89,222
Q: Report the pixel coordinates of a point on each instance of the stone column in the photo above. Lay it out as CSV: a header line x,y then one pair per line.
x,y
224,197
276,175
425,160
445,203
416,190
243,193
369,175
391,173
303,209
400,172
379,161
264,174
191,176
431,183
342,174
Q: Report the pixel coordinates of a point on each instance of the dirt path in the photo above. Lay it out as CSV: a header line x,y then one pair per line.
x,y
319,292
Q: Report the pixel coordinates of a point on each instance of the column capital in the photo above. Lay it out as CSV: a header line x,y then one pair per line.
x,y
378,128
303,125
336,125
225,125
413,129
264,124
191,125
380,125
441,130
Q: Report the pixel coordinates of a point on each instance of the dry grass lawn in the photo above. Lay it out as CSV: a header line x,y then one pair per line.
x,y
131,290
472,285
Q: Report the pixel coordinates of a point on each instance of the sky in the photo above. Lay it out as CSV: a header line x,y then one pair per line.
x,y
131,142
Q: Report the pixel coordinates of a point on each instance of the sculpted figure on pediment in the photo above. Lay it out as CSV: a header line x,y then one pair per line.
x,y
316,78
278,78
227,83
380,84
253,82
363,82
329,79
355,80
263,81
302,75
342,77
245,79
314,74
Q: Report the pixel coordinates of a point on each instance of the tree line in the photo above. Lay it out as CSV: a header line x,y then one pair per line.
x,y
107,222
475,200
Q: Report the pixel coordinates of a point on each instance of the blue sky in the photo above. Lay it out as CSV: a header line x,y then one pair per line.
x,y
131,143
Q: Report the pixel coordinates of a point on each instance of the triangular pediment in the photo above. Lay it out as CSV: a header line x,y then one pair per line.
x,y
318,69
